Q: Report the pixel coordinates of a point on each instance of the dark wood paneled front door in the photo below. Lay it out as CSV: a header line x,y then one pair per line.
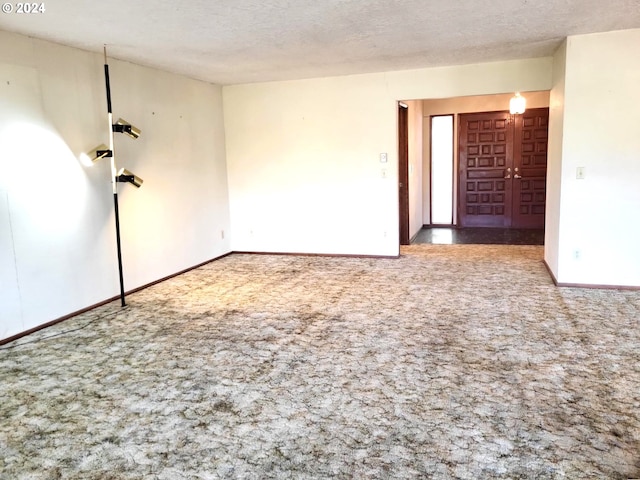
x,y
503,160
530,168
486,153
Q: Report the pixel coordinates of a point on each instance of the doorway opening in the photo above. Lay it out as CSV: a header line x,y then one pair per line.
x,y
433,192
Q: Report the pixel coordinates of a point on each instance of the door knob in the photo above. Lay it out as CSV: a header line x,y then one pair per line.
x,y
516,174
508,175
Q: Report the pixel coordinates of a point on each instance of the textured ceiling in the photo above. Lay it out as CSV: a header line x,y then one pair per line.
x,y
240,41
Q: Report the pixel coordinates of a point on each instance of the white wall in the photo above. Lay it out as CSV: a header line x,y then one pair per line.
x,y
304,169
599,231
415,166
554,160
303,156
57,235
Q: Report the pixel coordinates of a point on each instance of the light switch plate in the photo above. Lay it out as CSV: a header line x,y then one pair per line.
x,y
383,158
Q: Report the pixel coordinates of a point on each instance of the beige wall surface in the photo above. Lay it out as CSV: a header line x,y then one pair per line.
x,y
303,156
415,166
598,227
554,160
57,234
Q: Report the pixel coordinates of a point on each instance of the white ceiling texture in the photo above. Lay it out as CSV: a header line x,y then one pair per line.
x,y
242,41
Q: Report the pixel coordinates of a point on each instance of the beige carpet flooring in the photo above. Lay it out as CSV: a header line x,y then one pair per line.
x,y
452,362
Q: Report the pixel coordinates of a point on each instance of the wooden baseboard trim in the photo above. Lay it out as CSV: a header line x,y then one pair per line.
x,y
104,302
587,285
553,277
57,320
598,286
160,280
338,255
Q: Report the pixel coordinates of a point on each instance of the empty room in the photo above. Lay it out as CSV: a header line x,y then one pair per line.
x,y
306,240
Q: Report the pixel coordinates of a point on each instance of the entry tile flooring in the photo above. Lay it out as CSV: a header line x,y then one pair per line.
x,y
479,236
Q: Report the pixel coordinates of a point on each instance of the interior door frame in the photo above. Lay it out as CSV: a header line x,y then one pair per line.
x,y
403,173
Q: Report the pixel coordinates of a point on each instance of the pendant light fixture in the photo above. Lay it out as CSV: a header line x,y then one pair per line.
x,y
517,104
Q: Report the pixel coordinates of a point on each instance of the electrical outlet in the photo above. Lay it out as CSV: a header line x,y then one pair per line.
x,y
577,254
